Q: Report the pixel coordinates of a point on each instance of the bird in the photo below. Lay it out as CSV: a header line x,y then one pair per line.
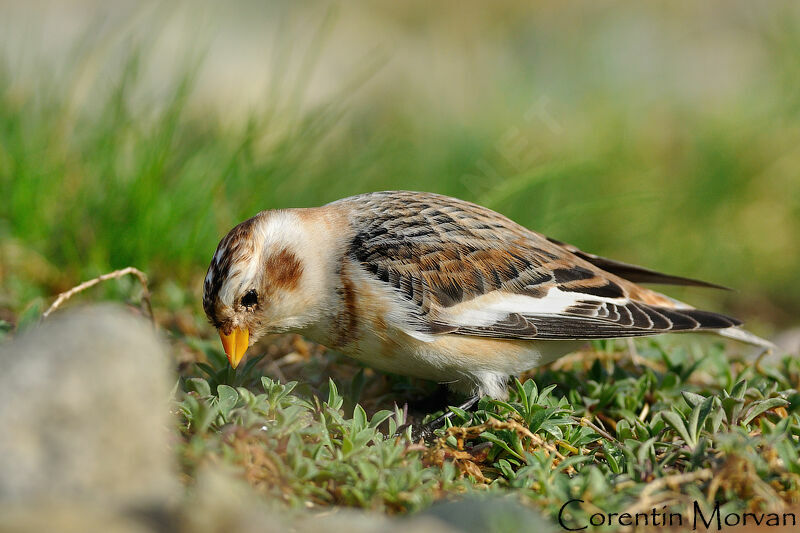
x,y
434,287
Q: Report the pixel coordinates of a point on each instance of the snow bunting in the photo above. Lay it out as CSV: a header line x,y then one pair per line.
x,y
433,287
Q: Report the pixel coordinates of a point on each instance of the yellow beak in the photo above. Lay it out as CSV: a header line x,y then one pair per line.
x,y
235,344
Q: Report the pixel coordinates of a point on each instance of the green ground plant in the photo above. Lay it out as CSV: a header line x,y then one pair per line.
x,y
621,434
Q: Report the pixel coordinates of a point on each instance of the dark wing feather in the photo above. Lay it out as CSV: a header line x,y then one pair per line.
x,y
439,252
569,326
635,273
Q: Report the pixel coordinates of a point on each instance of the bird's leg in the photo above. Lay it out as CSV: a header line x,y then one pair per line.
x,y
767,351
633,352
425,431
465,406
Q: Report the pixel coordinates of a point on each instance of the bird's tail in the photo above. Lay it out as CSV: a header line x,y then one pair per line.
x,y
743,335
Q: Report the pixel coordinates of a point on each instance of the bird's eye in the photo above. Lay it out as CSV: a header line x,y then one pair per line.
x,y
250,298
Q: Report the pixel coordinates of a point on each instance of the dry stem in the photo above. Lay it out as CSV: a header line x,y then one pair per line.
x,y
141,276
648,498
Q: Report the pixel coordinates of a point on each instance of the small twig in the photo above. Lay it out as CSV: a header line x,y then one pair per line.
x,y
141,276
647,500
493,423
675,480
586,422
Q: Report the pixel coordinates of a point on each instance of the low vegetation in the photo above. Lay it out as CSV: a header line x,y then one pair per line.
x,y
662,427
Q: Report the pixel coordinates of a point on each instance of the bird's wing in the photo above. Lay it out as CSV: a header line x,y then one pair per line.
x,y
465,269
634,273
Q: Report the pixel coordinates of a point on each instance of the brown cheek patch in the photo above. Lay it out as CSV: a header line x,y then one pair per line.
x,y
283,270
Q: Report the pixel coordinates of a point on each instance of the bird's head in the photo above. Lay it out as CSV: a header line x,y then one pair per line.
x,y
265,277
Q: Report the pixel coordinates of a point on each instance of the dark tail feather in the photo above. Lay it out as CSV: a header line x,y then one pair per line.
x,y
694,319
722,325
639,274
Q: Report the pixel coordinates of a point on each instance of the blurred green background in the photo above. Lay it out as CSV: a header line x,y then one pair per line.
x,y
665,134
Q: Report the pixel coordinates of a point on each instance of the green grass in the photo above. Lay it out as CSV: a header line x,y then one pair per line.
x,y
133,176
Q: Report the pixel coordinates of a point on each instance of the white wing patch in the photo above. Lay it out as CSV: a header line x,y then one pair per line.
x,y
496,306
567,315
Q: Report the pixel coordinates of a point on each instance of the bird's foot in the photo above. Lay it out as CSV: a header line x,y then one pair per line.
x,y
426,432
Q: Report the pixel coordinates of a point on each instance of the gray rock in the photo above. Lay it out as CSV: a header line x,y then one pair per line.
x,y
480,513
70,518
347,521
222,502
84,411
